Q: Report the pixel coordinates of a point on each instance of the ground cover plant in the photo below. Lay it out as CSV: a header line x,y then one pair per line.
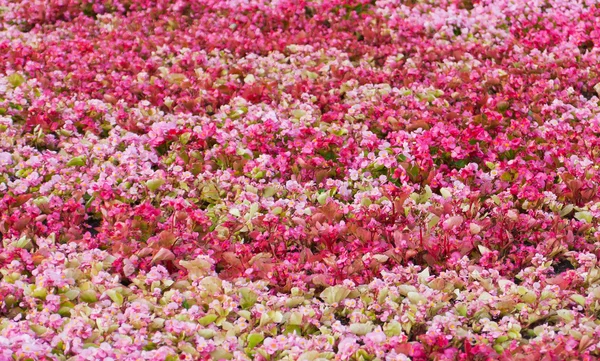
x,y
299,180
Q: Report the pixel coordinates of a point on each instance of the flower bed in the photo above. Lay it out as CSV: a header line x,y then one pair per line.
x,y
299,180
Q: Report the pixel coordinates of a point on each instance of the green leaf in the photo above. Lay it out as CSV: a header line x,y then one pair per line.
x,y
361,329
38,329
176,78
65,311
154,184
196,268
294,301
490,165
24,243
115,296
88,296
322,198
40,293
212,284
221,354
445,192
584,216
298,113
434,220
483,249
247,298
206,333
566,315
566,210
185,138
254,339
71,294
269,192
579,299
208,319
295,318
461,163
16,79
89,202
413,171
416,298
40,201
311,75
529,297
149,347
76,162
334,294
293,329
393,328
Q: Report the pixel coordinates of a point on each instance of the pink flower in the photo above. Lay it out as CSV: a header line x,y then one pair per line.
x,y
271,345
347,346
156,274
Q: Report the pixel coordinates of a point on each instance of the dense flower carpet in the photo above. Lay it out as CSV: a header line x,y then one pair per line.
x,y
299,180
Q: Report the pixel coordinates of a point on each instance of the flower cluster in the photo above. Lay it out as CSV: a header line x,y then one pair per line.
x,y
73,303
300,180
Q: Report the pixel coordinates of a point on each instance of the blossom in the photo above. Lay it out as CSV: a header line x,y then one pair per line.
x,y
191,191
